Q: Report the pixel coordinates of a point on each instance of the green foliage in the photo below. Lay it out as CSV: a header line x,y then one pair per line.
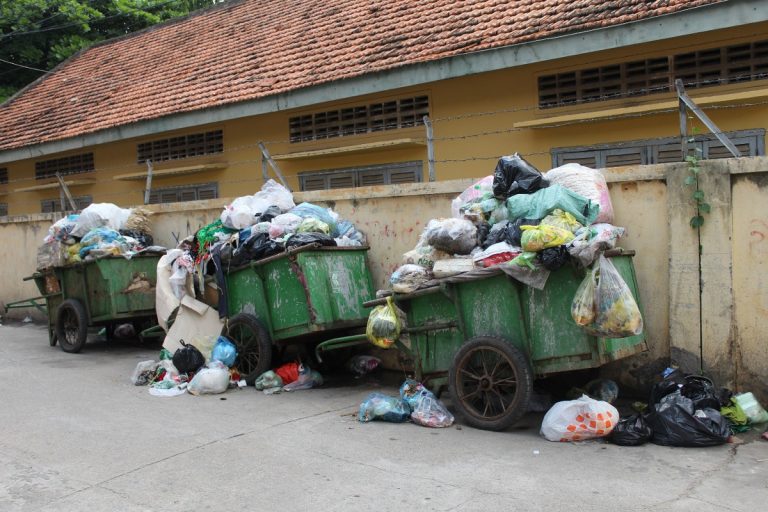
x,y
692,180
42,33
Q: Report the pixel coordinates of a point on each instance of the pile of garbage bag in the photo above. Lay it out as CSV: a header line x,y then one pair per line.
x,y
100,230
529,224
189,369
291,376
252,228
415,403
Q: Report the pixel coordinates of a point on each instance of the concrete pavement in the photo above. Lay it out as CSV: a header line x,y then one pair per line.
x,y
76,435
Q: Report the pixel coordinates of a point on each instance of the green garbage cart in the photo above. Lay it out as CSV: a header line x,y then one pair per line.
x,y
488,336
99,293
303,295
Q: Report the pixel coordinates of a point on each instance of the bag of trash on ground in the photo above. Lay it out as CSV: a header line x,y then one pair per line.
x,y
675,421
268,380
540,204
188,358
307,379
514,175
408,278
378,406
426,409
538,238
211,380
454,236
616,314
224,351
593,240
579,420
383,325
631,431
471,194
752,408
362,365
586,182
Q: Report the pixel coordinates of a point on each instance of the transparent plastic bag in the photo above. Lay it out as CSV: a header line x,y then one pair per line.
x,y
579,420
383,325
538,238
583,305
408,278
312,225
454,236
424,255
479,189
212,379
378,406
616,311
562,220
428,411
593,240
268,380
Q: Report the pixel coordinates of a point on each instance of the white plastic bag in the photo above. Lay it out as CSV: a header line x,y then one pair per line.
x,y
477,190
408,278
593,240
579,420
587,182
212,379
244,211
100,215
425,255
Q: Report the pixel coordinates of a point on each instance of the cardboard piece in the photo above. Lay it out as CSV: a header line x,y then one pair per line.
x,y
197,324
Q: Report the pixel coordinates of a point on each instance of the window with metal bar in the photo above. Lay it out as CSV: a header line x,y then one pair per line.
x,y
74,164
374,117
386,174
184,193
659,151
3,209
184,146
701,68
3,175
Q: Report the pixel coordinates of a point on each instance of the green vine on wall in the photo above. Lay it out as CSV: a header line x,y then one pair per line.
x,y
692,180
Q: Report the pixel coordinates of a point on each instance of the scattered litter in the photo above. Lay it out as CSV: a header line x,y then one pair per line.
x,y
579,420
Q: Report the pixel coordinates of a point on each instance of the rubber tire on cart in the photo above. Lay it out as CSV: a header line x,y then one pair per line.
x,y
490,382
71,326
254,346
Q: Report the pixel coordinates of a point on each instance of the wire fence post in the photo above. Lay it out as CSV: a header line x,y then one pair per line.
x,y
148,188
264,168
711,126
430,148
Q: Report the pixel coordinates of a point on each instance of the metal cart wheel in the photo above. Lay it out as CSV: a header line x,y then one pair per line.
x,y
254,346
490,382
71,325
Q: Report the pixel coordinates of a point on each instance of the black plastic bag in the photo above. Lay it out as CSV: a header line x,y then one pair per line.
x,y
669,384
188,359
269,214
144,239
554,257
675,426
631,431
702,391
483,228
508,231
258,246
300,239
513,175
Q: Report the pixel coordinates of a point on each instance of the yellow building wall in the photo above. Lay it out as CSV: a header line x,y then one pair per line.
x,y
474,121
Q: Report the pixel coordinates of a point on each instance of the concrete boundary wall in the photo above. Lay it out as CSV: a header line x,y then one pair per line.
x,y
704,294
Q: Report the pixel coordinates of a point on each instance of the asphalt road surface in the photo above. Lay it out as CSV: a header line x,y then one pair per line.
x,y
76,435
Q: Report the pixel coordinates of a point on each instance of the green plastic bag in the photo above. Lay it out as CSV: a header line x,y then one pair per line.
x,y
543,202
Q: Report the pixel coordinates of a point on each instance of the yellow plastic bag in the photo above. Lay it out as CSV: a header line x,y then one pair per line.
x,y
583,305
538,238
616,314
562,220
383,325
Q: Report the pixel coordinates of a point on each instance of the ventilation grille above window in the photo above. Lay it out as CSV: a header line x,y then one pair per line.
x,y
374,117
387,174
185,146
713,66
3,175
54,205
74,164
3,209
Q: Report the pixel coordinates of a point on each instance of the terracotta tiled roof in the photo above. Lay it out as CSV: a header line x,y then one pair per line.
x,y
255,48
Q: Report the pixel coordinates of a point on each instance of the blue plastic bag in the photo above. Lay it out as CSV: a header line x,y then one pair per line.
x,y
309,210
224,351
378,406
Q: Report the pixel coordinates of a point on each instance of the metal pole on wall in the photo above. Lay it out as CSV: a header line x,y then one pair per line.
x,y
273,164
430,148
148,188
65,189
711,126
